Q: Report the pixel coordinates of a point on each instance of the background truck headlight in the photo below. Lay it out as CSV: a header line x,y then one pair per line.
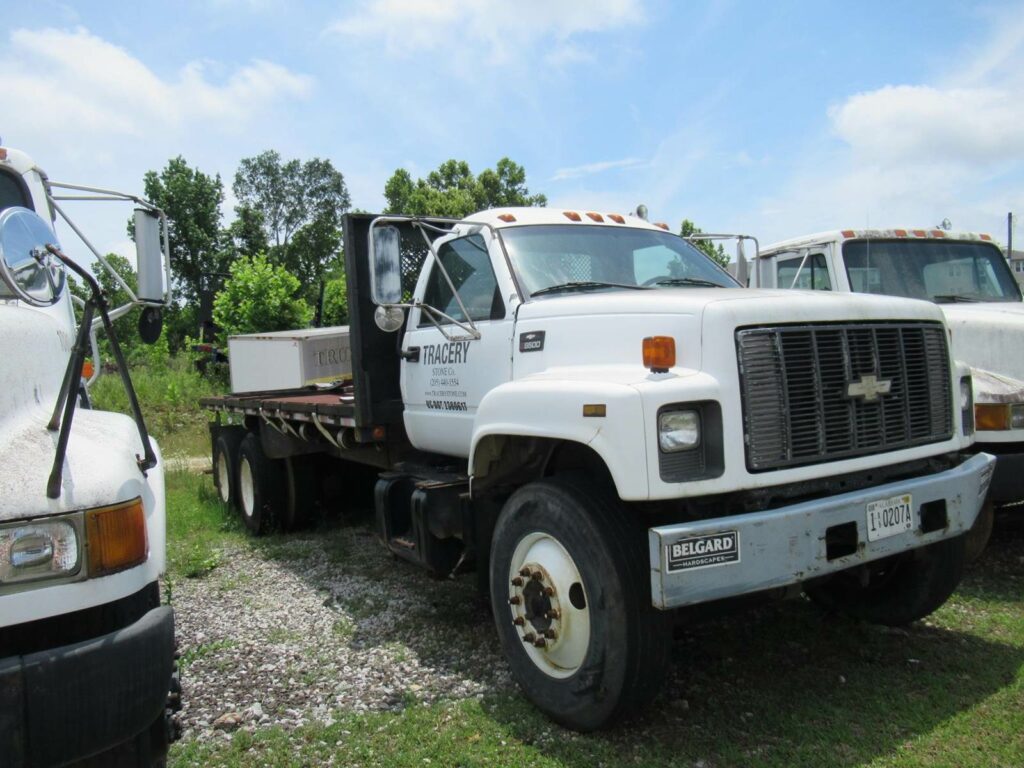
x,y
678,430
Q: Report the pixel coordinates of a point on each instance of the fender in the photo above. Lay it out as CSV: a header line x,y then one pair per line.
x,y
553,408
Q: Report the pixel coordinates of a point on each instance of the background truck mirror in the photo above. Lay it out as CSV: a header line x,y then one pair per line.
x,y
386,272
149,256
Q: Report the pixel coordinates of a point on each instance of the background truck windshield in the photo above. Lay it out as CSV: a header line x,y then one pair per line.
x,y
937,270
556,254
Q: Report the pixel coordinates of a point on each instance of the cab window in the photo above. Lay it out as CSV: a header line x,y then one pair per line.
x,y
812,277
469,267
12,192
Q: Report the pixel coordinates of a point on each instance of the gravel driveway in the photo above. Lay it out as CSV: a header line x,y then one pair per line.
x,y
285,631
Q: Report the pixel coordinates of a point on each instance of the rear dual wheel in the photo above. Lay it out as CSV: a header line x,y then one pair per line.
x,y
570,592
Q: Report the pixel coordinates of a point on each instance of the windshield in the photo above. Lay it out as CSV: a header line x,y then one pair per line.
x,y
937,270
546,257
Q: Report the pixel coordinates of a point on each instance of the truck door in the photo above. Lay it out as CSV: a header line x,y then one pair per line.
x,y
444,379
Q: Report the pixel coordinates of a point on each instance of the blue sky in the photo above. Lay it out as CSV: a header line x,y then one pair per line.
x,y
775,119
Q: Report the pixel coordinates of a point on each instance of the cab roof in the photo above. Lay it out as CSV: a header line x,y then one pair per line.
x,y
840,235
512,217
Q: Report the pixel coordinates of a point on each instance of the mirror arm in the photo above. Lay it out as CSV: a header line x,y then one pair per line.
x,y
433,314
99,257
73,374
93,345
451,285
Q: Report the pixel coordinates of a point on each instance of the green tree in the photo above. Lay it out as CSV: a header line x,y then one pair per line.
x,y
335,309
260,296
299,207
127,326
453,191
191,199
714,251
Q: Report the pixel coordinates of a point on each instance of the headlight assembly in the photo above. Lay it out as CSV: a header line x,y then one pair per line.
x,y
678,430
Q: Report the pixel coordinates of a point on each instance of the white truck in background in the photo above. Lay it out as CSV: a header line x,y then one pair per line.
x,y
968,277
595,416
87,654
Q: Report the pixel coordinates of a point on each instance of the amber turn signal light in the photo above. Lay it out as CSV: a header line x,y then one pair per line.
x,y
116,537
659,353
990,417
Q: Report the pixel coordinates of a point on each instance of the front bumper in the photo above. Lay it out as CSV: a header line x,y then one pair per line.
x,y
775,548
77,700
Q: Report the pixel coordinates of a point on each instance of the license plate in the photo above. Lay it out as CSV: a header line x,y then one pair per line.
x,y
888,517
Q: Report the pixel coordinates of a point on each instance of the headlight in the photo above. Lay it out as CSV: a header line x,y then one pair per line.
x,y
966,411
39,550
678,430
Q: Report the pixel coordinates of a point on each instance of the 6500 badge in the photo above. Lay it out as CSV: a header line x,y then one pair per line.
x,y
704,551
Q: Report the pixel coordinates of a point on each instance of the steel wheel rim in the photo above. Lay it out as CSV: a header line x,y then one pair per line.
x,y
223,477
245,488
549,608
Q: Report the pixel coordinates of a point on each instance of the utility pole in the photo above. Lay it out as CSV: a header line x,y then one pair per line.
x,y
1009,235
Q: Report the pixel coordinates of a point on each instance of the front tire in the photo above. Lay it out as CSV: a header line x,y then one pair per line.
x,y
570,592
897,590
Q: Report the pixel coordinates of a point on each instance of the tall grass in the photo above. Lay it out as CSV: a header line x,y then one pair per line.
x,y
169,388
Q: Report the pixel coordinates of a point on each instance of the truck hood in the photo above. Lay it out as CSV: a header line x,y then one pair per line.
x,y
989,337
751,304
598,329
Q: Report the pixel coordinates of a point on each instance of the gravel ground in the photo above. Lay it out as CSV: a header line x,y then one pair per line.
x,y
288,631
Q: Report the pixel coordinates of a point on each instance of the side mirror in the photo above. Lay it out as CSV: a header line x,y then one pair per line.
x,y
385,265
29,270
149,256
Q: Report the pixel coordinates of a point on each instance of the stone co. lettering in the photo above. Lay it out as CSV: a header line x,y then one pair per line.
x,y
446,354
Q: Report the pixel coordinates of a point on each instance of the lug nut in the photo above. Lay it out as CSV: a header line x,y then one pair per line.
x,y
524,571
540,642
515,600
529,637
549,591
537,576
519,621
550,634
552,614
517,581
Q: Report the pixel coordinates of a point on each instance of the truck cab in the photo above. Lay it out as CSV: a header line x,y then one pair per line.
x,y
87,651
966,275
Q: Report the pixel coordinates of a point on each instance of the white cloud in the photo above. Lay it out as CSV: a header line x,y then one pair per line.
x,y
592,168
56,79
499,31
913,154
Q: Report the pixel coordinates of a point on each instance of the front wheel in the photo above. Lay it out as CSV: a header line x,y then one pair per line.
x,y
570,590
895,590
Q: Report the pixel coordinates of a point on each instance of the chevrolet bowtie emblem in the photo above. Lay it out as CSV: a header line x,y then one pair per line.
x,y
869,387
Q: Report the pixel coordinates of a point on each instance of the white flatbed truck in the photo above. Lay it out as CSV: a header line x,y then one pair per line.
x,y
967,276
596,417
87,657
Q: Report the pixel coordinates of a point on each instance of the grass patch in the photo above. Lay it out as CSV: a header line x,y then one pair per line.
x,y
193,654
168,392
199,526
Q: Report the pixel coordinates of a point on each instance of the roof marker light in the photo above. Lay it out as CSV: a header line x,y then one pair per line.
x,y
900,232
848,233
920,233
986,237
938,233
507,217
661,224
617,218
594,216
571,215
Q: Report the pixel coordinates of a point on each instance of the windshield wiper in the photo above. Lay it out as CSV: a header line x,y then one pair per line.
x,y
955,298
584,285
688,281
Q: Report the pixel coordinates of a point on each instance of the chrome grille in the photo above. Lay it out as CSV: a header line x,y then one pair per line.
x,y
795,384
